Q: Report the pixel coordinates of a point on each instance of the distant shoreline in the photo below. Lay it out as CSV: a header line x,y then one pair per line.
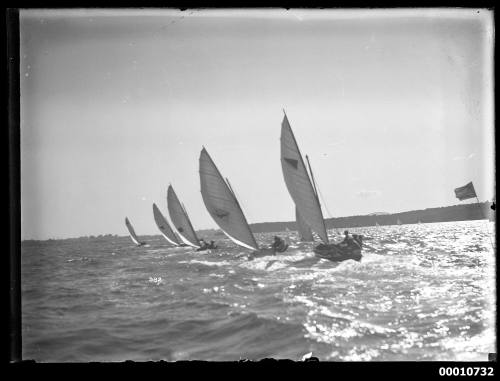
x,y
462,212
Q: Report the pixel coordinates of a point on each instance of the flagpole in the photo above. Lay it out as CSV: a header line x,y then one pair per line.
x,y
481,209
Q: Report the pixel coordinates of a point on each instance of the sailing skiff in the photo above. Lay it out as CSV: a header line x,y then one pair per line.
x,y
304,193
181,220
223,206
164,227
132,234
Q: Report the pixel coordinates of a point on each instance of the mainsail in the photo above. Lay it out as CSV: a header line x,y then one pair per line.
x,y
180,219
131,230
298,182
222,204
304,230
164,227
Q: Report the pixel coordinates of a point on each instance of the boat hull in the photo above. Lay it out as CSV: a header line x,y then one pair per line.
x,y
281,248
337,253
267,251
206,248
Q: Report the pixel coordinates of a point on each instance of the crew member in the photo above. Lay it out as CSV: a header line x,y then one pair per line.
x,y
278,242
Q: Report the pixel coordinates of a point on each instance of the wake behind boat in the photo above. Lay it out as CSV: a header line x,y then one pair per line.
x,y
223,206
305,196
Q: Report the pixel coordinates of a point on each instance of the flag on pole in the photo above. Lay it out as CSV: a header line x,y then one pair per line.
x,y
465,192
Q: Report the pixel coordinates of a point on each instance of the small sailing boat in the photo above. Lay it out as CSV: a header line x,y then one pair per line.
x,y
399,222
223,206
181,220
164,227
305,196
376,224
131,231
305,232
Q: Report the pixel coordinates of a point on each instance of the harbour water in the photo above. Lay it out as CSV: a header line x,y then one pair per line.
x,y
420,292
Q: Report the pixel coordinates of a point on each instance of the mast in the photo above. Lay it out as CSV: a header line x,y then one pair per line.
x,y
312,177
316,190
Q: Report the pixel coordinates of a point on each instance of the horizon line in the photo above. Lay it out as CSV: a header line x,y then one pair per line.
x,y
273,222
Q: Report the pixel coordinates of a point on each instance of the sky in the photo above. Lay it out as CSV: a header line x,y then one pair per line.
x,y
393,107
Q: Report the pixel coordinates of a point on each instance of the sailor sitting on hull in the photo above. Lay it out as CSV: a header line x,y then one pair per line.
x,y
351,241
347,239
357,240
206,246
203,245
278,243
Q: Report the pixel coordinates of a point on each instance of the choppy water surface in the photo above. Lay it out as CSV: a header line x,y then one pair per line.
x,y
421,292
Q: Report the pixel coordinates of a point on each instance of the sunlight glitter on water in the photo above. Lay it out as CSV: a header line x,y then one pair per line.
x,y
420,292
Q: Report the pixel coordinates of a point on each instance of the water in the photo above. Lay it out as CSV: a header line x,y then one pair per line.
x,y
421,292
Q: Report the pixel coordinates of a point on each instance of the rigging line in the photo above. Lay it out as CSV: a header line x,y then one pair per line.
x,y
318,191
316,194
324,204
312,177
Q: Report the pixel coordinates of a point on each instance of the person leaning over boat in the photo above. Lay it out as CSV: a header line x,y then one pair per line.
x,y
347,238
352,242
278,242
357,240
203,244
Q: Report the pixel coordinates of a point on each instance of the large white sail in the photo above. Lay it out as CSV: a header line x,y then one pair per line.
x,y
304,230
177,237
298,182
164,227
180,219
222,204
131,230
